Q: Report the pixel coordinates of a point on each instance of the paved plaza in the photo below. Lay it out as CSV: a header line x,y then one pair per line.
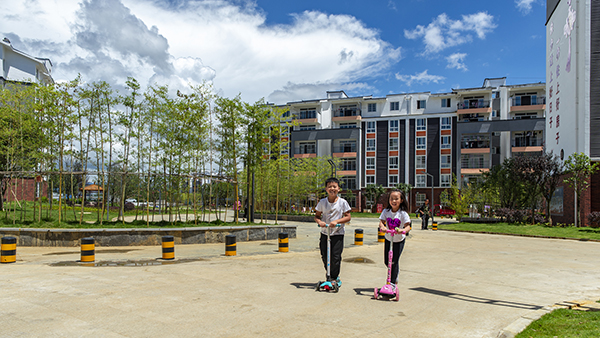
x,y
452,285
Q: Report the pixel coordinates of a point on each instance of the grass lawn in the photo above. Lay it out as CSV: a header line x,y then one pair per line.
x,y
584,233
564,323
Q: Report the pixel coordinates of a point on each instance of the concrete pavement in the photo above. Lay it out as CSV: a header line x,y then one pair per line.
x,y
452,285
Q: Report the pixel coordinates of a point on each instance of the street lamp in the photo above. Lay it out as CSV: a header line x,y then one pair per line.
x,y
432,206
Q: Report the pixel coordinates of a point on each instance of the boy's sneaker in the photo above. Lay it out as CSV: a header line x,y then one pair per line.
x,y
339,282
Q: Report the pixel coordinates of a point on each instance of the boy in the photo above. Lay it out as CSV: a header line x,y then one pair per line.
x,y
335,212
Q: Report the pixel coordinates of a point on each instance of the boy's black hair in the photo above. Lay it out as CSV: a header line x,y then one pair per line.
x,y
332,180
403,204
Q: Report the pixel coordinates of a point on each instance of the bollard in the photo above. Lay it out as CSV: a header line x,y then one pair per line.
x,y
88,252
284,242
358,237
380,236
230,248
434,225
168,247
9,250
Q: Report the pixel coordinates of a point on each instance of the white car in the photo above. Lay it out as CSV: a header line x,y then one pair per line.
x,y
132,201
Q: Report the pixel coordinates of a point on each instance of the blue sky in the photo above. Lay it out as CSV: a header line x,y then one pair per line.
x,y
285,51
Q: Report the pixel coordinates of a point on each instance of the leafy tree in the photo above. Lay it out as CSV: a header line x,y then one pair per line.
x,y
375,192
579,169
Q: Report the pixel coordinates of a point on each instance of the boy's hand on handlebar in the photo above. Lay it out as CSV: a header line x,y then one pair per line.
x,y
333,224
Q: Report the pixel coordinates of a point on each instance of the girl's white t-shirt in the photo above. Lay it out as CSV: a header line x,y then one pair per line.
x,y
393,220
333,212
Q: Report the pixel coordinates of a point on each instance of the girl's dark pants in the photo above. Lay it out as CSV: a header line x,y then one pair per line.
x,y
398,247
337,246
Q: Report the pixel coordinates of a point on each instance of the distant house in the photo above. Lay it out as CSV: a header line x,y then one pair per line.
x,y
16,66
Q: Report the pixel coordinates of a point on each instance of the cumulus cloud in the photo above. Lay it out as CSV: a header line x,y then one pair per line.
x,y
456,61
444,32
186,41
524,5
308,91
420,78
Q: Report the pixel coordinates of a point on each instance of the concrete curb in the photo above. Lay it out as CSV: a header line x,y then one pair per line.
x,y
144,236
520,324
522,235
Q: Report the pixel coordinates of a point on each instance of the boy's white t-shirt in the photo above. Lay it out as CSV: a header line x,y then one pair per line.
x,y
333,212
393,220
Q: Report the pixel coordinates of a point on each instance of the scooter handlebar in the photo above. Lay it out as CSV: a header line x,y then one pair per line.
x,y
337,225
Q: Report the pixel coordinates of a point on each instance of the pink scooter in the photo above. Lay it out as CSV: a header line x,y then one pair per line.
x,y
389,290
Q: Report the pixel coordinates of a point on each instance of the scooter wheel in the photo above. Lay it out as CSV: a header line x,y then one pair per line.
x,y
336,288
318,286
376,293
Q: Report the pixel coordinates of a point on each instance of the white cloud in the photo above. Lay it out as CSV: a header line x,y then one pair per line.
x,y
308,91
443,32
456,61
524,5
188,41
420,78
392,5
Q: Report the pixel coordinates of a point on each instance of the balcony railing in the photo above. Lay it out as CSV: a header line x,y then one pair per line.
x,y
474,144
528,100
474,163
305,150
305,115
527,141
473,104
343,112
345,149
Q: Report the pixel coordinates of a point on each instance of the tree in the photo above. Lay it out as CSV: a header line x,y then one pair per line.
x,y
500,182
579,169
375,192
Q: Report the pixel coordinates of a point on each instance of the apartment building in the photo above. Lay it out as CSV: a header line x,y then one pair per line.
x,y
573,87
420,138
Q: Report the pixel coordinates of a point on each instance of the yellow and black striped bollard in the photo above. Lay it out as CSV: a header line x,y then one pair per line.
x,y
284,242
358,236
9,250
88,249
380,236
230,247
168,247
434,225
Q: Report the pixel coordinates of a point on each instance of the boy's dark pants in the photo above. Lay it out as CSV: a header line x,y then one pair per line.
x,y
398,247
337,246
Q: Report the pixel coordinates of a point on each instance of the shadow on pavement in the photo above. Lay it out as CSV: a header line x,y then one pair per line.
x,y
364,292
310,286
474,299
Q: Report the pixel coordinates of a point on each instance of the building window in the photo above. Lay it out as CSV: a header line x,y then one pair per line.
x,y
420,199
348,146
308,113
393,126
445,161
446,142
446,123
421,181
421,143
348,182
348,164
393,144
445,180
372,107
420,104
370,179
421,162
446,103
347,125
371,144
370,163
421,124
395,105
393,162
494,113
392,180
306,148
371,127
308,127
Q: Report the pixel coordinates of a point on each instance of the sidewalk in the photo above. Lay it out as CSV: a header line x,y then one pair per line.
x,y
452,285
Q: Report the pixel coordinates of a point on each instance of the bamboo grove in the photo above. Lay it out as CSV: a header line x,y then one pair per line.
x,y
184,155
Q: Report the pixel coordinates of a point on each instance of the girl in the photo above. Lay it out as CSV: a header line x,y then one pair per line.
x,y
395,217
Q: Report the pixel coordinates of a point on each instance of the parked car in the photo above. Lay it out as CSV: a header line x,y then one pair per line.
x,y
132,201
